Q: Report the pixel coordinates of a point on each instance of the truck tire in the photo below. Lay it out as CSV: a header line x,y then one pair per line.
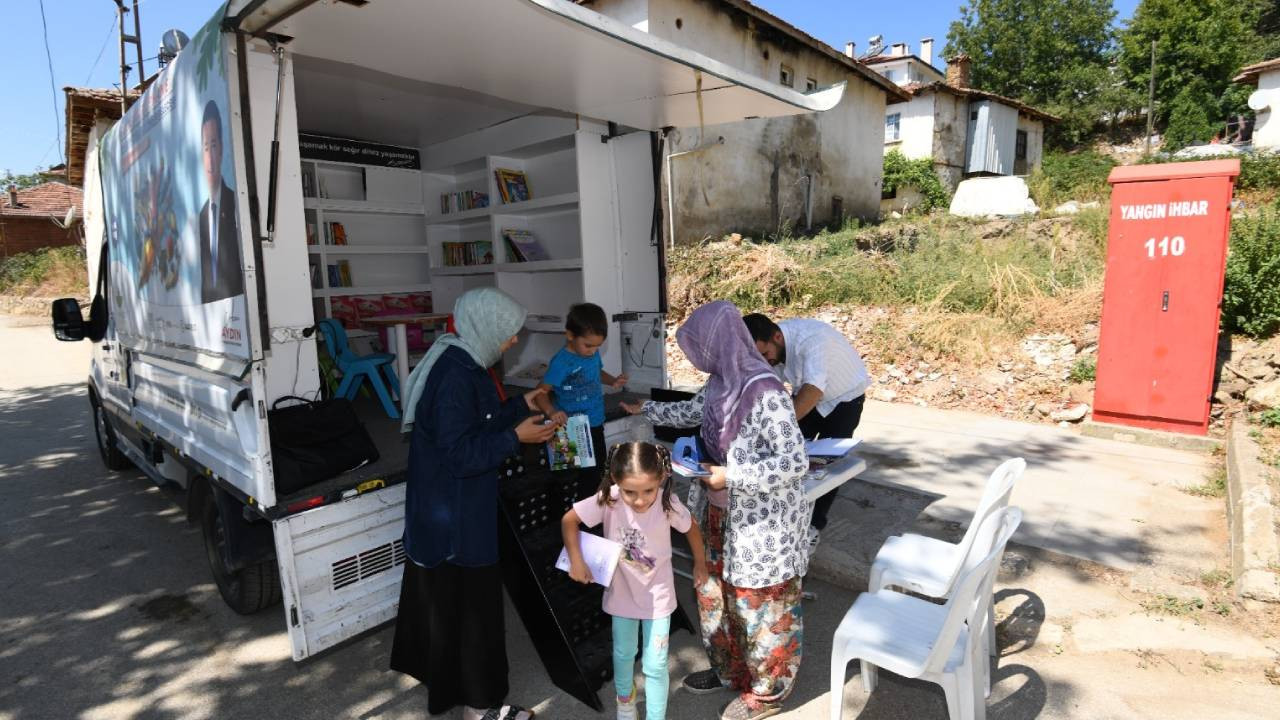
x,y
106,437
247,590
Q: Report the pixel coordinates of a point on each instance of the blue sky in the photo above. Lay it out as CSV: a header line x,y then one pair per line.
x,y
84,46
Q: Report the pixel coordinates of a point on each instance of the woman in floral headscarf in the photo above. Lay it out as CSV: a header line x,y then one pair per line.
x,y
753,513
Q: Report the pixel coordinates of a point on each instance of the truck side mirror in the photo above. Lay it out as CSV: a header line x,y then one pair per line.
x,y
68,321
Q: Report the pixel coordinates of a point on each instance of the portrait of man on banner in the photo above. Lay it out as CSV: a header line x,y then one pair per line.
x,y
221,275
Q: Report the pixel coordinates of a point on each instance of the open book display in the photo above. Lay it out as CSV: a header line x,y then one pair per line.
x,y
571,446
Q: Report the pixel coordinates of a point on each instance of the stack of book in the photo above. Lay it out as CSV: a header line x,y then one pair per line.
x,y
523,246
458,254
465,200
512,185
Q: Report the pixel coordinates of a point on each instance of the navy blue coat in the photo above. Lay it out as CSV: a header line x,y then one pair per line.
x,y
461,434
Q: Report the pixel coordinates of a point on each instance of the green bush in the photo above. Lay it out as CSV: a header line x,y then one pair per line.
x,y
1258,170
31,269
1085,370
1066,176
899,172
1191,117
1251,294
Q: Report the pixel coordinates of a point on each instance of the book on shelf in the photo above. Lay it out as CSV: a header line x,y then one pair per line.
x,y
311,233
335,280
344,272
315,275
460,201
460,254
523,246
336,233
308,183
513,185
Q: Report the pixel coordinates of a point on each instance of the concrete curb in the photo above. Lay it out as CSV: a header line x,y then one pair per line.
x,y
1255,549
1151,438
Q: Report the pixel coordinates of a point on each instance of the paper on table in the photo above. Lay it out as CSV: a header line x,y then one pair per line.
x,y
830,447
601,556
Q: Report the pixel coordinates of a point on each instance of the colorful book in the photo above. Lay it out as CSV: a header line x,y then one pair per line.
x,y
600,555
526,244
571,446
513,185
344,272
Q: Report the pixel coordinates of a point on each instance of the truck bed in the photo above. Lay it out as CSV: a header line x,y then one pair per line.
x,y
393,447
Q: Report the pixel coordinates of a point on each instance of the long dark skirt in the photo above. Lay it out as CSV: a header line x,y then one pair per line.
x,y
450,635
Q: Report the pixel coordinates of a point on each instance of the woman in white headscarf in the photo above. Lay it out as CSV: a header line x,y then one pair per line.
x,y
450,632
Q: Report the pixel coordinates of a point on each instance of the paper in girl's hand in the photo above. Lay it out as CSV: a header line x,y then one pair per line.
x,y
601,556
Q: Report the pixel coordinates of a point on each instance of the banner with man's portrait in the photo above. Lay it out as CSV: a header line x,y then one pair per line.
x,y
169,189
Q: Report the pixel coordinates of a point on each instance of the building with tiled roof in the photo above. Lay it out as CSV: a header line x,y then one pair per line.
x,y
1265,76
32,218
87,107
964,130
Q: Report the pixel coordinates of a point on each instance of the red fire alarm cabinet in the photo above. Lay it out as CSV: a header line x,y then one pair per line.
x,y
1166,257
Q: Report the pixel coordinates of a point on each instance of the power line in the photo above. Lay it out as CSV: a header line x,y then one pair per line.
x,y
101,50
57,121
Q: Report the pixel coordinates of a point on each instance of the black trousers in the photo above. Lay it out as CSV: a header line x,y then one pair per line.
x,y
450,635
841,423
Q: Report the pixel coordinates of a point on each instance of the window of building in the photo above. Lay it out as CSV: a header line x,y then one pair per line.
x,y
891,75
810,85
1020,146
787,76
893,127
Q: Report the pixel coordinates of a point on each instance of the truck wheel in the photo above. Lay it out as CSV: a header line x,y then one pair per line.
x,y
111,455
248,590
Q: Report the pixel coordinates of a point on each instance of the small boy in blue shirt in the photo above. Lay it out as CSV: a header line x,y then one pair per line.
x,y
576,375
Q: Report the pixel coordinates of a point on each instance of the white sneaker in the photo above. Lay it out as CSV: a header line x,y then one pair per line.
x,y
814,536
627,710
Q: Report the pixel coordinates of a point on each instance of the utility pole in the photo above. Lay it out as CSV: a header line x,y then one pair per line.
x,y
136,40
1151,98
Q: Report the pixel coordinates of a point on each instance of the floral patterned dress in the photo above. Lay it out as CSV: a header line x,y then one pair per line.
x,y
749,609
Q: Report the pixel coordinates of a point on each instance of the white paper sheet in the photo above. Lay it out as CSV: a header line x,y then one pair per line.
x,y
601,556
830,447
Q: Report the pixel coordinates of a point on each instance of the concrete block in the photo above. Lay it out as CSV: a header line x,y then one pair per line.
x,y
1251,514
1005,196
1150,438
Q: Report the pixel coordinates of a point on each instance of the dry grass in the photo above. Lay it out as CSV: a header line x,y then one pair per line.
x,y
53,272
966,290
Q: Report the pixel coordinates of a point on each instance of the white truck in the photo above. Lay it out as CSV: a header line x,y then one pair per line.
x,y
200,205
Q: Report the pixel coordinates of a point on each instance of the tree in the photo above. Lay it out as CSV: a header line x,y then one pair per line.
x,y
1205,41
1054,54
22,181
1193,116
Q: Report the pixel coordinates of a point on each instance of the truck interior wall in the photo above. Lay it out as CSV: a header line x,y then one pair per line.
x,y
291,367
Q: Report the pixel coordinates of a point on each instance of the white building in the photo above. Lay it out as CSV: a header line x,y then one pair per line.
x,y
964,130
766,175
1266,77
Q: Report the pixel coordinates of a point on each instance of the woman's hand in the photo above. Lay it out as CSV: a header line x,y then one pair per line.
x,y
579,571
633,408
532,397
717,479
700,574
531,431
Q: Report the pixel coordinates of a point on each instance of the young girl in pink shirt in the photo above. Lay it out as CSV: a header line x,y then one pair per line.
x,y
638,510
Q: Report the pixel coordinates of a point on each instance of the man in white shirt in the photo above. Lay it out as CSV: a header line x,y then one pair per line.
x,y
828,381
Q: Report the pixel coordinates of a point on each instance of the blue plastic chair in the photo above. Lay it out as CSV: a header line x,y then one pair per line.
x,y
356,368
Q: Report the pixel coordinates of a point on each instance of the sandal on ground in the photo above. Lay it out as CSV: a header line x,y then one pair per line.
x,y
507,712
739,709
703,682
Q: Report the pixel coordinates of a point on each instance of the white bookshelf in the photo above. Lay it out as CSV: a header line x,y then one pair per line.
x,y
568,168
382,213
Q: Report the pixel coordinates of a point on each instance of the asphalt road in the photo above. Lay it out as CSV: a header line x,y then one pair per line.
x,y
107,609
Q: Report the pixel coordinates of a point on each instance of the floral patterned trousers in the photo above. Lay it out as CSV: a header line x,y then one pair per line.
x,y
753,636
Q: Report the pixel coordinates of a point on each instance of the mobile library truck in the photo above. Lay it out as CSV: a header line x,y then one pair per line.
x,y
415,147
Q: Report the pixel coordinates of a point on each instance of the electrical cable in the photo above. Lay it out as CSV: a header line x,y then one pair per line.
x,y
57,122
88,78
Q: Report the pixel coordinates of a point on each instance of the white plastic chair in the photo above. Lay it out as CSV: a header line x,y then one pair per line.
x,y
930,567
918,639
